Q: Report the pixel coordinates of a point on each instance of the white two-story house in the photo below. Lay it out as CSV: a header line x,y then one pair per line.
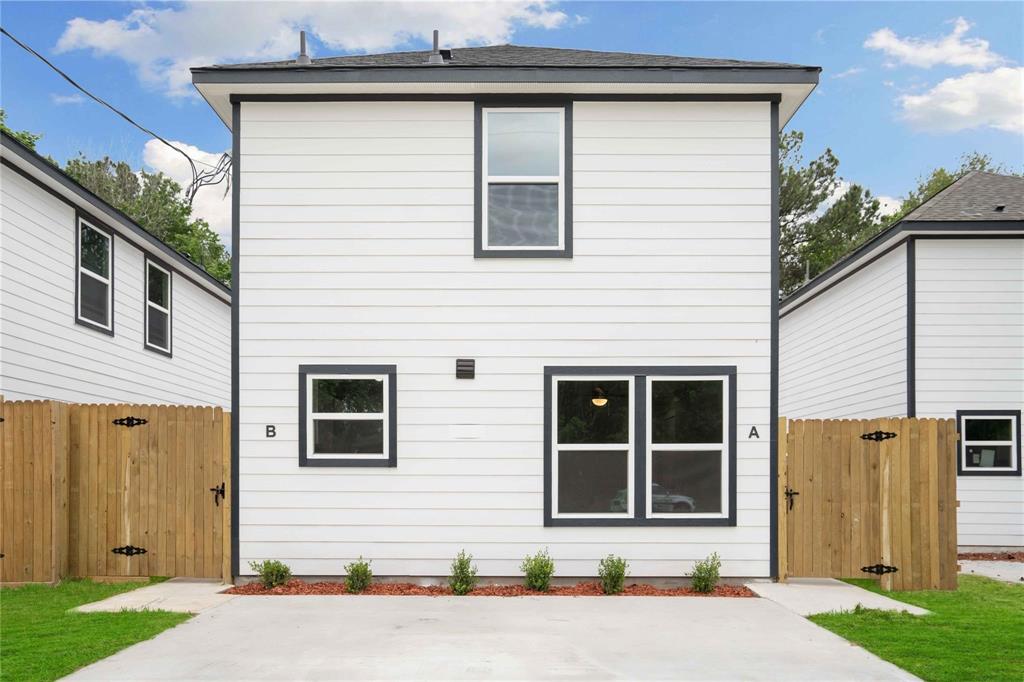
x,y
501,299
93,308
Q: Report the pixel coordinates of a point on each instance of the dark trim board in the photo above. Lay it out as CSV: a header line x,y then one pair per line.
x,y
60,177
912,327
960,470
81,216
479,186
773,410
510,99
639,374
145,307
392,416
236,239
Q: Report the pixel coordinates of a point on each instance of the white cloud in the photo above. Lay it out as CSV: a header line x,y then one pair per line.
x,y
61,100
888,205
210,203
163,42
952,50
852,71
994,99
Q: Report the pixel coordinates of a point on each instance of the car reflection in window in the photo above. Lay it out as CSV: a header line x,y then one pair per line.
x,y
663,501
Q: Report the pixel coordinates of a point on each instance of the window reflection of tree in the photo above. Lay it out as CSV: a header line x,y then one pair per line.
x,y
580,421
348,395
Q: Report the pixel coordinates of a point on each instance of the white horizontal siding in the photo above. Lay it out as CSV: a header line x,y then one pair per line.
x,y
357,248
843,354
970,356
45,355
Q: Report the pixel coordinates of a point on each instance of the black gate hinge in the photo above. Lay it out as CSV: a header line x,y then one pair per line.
x,y
790,494
878,436
879,569
218,493
130,421
129,550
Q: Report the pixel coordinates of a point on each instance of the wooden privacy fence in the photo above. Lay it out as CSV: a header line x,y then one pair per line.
x,y
114,491
865,498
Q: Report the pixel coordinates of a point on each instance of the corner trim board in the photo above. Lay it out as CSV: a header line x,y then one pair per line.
x,y
773,410
911,326
236,177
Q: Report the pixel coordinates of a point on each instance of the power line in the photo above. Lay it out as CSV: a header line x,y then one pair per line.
x,y
217,174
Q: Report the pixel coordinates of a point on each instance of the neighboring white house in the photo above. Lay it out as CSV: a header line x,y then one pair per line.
x,y
927,320
94,309
469,282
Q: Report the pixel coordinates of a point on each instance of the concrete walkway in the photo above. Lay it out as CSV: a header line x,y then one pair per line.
x,y
535,638
190,595
1007,571
808,596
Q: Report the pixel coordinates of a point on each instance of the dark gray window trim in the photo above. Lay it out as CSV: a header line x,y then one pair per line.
x,y
101,227
236,240
484,74
639,374
960,469
145,307
61,178
341,371
478,184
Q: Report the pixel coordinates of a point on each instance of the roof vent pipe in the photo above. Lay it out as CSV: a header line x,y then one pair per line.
x,y
303,58
435,55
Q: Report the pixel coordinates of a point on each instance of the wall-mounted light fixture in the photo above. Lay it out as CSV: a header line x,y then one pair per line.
x,y
598,397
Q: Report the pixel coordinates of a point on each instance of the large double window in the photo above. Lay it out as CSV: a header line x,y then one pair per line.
x,y
524,166
94,305
347,415
989,442
640,445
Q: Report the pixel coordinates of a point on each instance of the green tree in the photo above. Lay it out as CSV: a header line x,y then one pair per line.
x,y
156,203
941,178
23,136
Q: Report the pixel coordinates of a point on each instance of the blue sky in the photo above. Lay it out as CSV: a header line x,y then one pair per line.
x,y
906,86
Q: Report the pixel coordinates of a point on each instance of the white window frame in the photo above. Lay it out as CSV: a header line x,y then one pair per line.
x,y
108,280
629,446
964,443
488,179
150,304
347,416
650,446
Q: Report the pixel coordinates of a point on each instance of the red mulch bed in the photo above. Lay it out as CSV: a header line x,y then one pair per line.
x,y
582,589
991,556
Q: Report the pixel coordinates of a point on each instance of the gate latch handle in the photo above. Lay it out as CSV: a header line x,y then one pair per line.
x,y
790,494
218,493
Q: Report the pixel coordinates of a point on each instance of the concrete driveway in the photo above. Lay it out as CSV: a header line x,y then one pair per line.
x,y
637,638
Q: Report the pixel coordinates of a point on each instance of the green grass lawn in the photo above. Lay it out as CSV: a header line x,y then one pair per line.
x,y
41,640
974,633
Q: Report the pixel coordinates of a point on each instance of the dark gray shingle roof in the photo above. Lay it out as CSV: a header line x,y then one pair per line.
x,y
518,56
975,196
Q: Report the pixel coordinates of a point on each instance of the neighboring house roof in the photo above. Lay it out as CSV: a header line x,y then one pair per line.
x,y
517,56
514,69
970,205
975,196
39,170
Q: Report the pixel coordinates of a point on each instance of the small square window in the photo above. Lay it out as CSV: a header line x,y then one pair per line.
x,y
94,305
158,308
347,415
989,443
523,197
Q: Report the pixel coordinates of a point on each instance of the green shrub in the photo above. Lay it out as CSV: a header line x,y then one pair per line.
x,y
272,573
612,571
358,576
705,573
463,577
538,570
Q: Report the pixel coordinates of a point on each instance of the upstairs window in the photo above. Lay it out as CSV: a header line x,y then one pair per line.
x,y
347,415
523,195
158,308
989,443
94,306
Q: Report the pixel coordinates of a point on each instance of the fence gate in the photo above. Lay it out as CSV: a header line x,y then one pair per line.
x,y
866,498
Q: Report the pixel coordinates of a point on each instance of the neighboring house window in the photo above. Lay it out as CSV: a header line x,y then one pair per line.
x,y
95,273
158,308
523,194
640,446
989,442
347,415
